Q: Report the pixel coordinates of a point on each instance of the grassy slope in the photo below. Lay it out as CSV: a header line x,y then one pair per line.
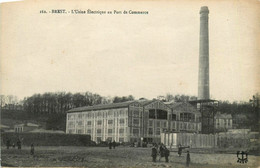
x,y
11,117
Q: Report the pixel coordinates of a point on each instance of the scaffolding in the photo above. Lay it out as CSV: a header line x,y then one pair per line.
x,y
208,109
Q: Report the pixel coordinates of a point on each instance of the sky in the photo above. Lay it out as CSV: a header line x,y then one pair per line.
x,y
119,55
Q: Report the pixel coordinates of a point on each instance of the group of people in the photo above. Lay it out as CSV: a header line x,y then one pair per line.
x,y
19,145
112,144
161,151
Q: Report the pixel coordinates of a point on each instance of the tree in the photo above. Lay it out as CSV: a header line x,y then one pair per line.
x,y
118,99
2,100
255,104
179,98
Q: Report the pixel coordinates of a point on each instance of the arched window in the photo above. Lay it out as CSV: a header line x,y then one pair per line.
x,y
152,113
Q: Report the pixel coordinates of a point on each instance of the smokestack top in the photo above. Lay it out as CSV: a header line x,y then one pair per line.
x,y
204,9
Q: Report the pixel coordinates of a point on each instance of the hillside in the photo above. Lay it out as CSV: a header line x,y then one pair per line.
x,y
51,121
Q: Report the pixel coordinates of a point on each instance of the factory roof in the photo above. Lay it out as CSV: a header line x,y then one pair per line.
x,y
110,106
182,106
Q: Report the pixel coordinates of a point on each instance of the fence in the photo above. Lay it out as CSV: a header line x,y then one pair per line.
x,y
46,139
189,139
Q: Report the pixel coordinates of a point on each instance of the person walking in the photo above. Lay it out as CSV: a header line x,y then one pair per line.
x,y
19,144
188,159
161,152
110,145
114,144
179,150
154,153
166,154
8,143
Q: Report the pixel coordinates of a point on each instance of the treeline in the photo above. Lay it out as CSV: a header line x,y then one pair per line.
x,y
176,98
60,102
235,107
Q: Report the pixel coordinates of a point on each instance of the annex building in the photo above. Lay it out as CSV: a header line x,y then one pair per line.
x,y
133,121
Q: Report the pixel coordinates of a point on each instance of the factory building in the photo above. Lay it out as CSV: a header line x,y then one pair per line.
x,y
133,121
223,122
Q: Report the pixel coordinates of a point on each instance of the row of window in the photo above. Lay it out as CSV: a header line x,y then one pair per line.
x,y
223,120
160,114
98,131
187,117
98,114
186,126
98,122
109,131
158,123
183,126
135,122
99,139
150,131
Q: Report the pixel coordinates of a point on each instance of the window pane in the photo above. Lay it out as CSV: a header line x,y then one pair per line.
x,y
161,114
152,113
110,131
150,123
174,117
136,131
136,113
121,121
110,113
136,121
121,130
150,131
158,124
158,131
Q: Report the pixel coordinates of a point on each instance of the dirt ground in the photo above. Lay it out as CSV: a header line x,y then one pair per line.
x,y
119,157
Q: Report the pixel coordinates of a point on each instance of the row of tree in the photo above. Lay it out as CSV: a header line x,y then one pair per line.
x,y
60,102
176,98
53,106
8,99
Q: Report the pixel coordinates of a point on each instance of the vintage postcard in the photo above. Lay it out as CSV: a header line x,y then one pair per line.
x,y
130,83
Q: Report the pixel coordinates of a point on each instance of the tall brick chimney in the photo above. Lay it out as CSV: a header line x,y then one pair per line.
x,y
203,82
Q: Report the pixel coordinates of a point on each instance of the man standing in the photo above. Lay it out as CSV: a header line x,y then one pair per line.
x,y
188,159
114,144
110,145
8,143
179,150
154,153
166,154
19,144
161,151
